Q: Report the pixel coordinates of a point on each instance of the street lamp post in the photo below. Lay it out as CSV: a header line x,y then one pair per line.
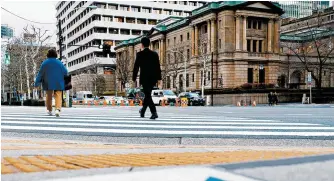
x,y
66,42
185,68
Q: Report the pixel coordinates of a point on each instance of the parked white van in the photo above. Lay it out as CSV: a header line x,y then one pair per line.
x,y
84,96
159,95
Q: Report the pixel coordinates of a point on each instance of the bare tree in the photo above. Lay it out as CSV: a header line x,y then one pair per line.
x,y
174,68
35,38
204,58
12,72
124,70
100,84
313,49
95,63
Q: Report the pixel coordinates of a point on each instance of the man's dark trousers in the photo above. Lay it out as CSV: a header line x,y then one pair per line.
x,y
148,102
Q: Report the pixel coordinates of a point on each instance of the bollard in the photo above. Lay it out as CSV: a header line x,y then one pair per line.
x,y
238,104
163,103
184,102
131,103
96,103
140,103
122,102
113,103
176,102
104,103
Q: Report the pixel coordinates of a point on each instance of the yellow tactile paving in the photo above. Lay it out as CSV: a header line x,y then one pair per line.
x,y
67,162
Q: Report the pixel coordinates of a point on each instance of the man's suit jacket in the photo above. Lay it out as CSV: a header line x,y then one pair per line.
x,y
148,63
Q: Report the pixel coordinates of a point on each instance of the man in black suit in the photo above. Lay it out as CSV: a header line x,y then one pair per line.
x,y
150,72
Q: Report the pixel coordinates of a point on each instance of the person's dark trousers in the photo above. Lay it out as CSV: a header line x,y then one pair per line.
x,y
148,102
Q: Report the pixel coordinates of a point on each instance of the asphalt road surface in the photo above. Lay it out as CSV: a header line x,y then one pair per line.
x,y
286,125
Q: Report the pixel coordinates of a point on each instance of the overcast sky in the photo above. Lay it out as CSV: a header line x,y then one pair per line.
x,y
41,11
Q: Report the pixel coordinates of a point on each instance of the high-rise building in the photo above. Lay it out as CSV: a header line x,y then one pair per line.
x,y
112,21
300,9
6,32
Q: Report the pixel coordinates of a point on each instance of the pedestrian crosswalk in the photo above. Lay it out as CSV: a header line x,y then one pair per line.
x,y
127,123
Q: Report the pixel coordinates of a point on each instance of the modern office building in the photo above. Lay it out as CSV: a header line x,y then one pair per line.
x,y
112,21
300,9
6,32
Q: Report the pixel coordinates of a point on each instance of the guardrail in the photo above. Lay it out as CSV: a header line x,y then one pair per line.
x,y
178,103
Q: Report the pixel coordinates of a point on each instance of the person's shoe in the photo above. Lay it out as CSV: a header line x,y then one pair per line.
x,y
49,113
142,115
57,113
154,116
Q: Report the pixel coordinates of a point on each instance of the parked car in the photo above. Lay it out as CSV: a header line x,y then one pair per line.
x,y
159,95
107,98
193,98
118,100
84,96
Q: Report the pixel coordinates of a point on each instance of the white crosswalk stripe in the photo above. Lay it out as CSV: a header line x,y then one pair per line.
x,y
128,123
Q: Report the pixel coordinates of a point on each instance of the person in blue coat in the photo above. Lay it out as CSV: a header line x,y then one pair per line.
x,y
51,76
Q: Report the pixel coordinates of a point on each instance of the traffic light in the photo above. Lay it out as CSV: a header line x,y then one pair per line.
x,y
7,59
106,49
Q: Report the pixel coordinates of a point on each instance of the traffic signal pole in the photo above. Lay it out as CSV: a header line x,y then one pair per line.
x,y
60,41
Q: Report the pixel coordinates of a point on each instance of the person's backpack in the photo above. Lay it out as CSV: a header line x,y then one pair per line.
x,y
68,83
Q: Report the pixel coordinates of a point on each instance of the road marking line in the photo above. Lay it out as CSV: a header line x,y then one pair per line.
x,y
223,122
167,132
165,126
125,117
299,114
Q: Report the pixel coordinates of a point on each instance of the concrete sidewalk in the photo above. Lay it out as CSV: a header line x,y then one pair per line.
x,y
32,158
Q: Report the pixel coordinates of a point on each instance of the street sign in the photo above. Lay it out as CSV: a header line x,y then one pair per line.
x,y
309,77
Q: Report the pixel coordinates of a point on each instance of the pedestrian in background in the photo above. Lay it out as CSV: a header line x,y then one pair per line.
x,y
270,99
275,98
51,76
150,73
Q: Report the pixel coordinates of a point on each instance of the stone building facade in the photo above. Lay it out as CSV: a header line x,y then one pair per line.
x,y
238,40
302,34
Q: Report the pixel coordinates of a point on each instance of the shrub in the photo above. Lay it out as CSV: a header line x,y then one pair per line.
x,y
246,86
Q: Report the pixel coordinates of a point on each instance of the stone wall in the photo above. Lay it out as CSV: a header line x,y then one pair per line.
x,y
262,98
84,82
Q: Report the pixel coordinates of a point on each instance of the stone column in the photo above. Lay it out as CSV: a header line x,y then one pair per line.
x,y
244,34
257,45
276,36
209,35
237,32
196,40
214,47
251,45
162,50
270,24
192,41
